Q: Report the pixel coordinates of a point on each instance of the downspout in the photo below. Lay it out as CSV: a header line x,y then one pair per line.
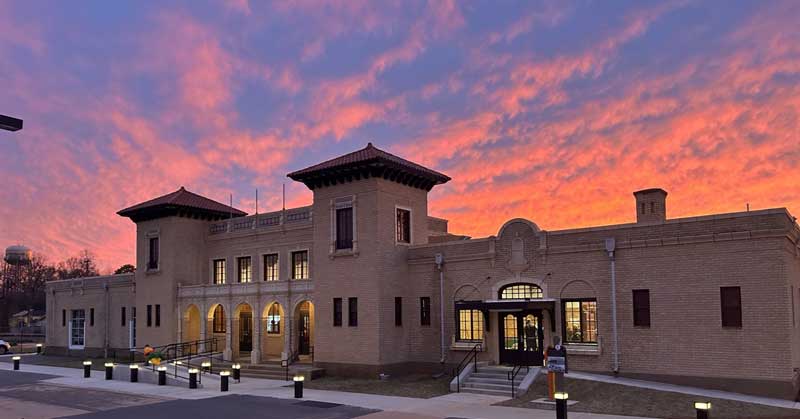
x,y
610,247
439,263
108,313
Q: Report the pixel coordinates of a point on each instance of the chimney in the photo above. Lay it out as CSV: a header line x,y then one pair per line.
x,y
651,205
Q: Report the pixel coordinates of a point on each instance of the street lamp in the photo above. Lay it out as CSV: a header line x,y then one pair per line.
x,y
9,123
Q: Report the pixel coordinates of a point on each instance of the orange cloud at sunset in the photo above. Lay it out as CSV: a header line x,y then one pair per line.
x,y
554,112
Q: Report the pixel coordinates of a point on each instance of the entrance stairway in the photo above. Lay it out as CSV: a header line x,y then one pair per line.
x,y
271,370
492,380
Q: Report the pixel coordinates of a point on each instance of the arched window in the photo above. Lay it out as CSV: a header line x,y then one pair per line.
x,y
219,319
274,319
520,291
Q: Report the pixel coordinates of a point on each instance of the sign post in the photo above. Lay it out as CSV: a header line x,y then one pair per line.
x,y
556,361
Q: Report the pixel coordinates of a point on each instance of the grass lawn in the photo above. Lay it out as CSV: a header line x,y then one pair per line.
x,y
422,386
597,397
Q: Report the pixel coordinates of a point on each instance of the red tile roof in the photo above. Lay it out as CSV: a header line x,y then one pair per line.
x,y
180,200
369,157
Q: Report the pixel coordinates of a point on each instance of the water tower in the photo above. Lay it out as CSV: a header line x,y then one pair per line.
x,y
16,257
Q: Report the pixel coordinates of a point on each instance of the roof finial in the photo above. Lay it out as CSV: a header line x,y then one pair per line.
x,y
182,188
369,144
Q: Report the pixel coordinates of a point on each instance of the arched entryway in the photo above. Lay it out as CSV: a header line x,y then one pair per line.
x,y
304,328
272,331
242,333
522,332
216,327
190,327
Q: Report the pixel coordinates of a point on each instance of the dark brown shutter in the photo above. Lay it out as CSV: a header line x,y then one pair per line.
x,y
731,304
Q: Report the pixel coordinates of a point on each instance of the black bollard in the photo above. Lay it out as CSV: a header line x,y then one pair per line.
x,y
192,377
87,369
298,386
702,409
223,380
561,405
109,370
134,373
38,348
206,366
237,372
16,362
162,376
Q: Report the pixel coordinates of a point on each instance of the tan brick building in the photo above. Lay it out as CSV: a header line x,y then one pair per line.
x,y
364,281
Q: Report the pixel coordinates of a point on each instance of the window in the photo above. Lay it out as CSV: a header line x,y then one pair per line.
x,y
643,207
245,269
337,311
470,325
352,311
274,319
425,311
77,330
149,315
300,265
63,318
152,261
271,267
520,291
398,311
122,316
652,207
91,317
158,315
641,308
580,321
403,226
344,228
219,271
731,302
218,322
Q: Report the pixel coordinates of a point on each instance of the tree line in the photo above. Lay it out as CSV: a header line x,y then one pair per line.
x,y
23,287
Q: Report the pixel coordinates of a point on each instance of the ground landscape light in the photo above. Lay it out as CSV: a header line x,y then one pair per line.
x,y
299,378
561,396
162,368
224,373
193,371
702,405
134,366
15,358
87,362
108,364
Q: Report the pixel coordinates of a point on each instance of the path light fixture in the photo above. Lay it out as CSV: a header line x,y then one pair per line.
x,y
16,362
224,376
162,376
702,409
39,348
298,386
561,404
206,366
87,369
134,373
193,377
237,372
109,370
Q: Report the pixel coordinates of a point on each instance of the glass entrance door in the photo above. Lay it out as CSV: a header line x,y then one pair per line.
x,y
245,332
304,347
77,329
521,338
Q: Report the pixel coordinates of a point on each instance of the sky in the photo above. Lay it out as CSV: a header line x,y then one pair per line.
x,y
555,111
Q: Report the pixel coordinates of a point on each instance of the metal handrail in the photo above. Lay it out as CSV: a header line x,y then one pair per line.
x,y
472,355
512,375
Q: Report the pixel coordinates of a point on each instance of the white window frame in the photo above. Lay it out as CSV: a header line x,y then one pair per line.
x,y
263,269
69,329
290,265
410,225
212,270
236,269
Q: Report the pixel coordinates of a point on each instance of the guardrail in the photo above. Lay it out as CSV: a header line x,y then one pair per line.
x,y
512,375
471,356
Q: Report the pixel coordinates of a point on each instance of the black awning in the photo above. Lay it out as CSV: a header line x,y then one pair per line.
x,y
507,305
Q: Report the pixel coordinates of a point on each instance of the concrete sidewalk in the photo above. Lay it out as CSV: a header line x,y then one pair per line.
x,y
717,394
461,405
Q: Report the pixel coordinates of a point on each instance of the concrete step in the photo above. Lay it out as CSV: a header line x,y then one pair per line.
x,y
481,374
485,386
503,380
506,393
